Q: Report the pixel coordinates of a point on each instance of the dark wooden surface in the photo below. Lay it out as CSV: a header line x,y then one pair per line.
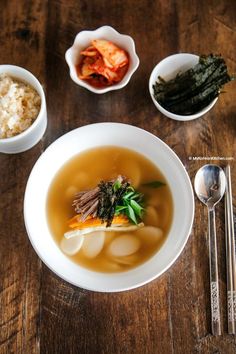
x,y
39,312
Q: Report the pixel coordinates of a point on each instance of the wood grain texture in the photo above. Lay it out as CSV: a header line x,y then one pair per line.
x,y
40,313
22,28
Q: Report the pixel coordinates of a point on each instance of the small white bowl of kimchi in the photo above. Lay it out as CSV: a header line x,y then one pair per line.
x,y
102,60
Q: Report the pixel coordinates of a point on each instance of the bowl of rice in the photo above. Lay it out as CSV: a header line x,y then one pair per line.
x,y
23,114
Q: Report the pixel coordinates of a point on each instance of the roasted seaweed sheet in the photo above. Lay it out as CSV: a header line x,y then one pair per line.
x,y
194,89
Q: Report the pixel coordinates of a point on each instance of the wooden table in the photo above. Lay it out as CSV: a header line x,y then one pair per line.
x,y
39,311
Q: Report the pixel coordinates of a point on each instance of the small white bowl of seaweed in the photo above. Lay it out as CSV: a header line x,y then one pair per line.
x,y
186,86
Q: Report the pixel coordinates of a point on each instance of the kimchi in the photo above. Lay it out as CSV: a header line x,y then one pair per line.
x,y
103,63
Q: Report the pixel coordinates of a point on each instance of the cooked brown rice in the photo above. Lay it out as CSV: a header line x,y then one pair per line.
x,y
19,106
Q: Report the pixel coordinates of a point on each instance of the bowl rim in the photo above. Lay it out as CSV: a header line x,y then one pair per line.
x,y
125,80
164,111
38,89
148,279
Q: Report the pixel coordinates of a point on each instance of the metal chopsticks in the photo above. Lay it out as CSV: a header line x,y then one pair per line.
x,y
230,254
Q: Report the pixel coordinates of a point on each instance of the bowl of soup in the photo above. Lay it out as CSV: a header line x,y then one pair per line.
x,y
151,222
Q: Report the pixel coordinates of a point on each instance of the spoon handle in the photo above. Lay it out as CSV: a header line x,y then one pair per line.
x,y
214,283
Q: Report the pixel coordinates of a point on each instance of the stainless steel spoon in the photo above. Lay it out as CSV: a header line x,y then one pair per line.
x,y
209,185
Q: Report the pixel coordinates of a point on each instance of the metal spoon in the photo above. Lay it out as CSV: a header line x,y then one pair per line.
x,y
209,186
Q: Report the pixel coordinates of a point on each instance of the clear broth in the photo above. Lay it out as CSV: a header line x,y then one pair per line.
x,y
85,171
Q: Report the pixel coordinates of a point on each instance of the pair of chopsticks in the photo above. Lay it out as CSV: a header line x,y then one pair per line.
x,y
230,255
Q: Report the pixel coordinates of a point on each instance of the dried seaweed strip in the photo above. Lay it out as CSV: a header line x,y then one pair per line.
x,y
174,85
191,91
199,81
199,101
215,84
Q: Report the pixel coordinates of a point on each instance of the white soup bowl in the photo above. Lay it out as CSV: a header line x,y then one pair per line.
x,y
91,136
